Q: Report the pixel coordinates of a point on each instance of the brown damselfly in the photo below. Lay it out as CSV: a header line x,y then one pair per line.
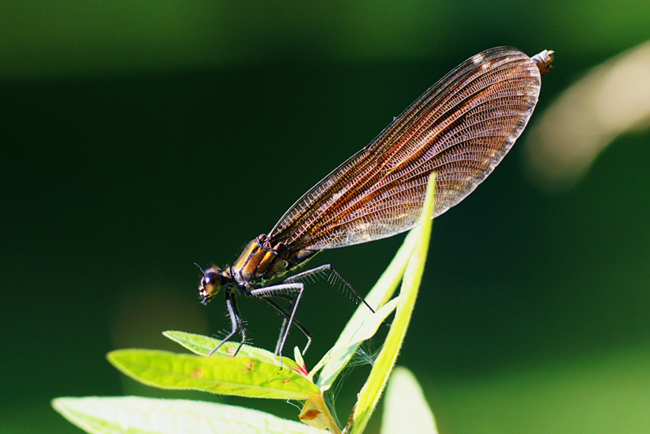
x,y
460,128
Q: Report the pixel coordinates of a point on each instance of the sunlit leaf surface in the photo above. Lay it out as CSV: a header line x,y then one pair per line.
x,y
240,376
134,415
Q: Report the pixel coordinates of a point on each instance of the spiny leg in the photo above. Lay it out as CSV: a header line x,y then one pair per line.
x,y
333,272
240,322
286,315
285,324
236,323
280,290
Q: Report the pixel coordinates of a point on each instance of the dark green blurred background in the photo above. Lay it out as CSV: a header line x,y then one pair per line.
x,y
140,137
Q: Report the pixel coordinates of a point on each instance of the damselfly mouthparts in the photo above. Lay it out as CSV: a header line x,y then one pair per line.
x,y
460,128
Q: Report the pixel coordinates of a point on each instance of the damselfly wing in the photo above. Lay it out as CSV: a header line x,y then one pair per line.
x,y
460,128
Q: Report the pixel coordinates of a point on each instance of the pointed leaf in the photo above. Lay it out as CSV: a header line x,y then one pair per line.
x,y
405,407
240,376
203,345
371,391
341,353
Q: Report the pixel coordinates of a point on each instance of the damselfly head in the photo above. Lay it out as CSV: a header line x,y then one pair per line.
x,y
211,283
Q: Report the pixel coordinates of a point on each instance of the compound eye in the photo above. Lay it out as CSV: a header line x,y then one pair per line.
x,y
211,284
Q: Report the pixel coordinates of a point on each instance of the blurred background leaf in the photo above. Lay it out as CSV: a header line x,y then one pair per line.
x,y
405,407
141,137
611,100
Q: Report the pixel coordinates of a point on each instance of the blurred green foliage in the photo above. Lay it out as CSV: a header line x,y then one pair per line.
x,y
140,137
71,37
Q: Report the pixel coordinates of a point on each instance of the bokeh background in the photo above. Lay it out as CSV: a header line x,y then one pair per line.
x,y
140,137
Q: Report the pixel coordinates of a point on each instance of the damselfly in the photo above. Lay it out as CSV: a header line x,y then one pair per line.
x,y
460,128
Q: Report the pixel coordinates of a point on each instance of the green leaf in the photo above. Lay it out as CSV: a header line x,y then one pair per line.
x,y
133,415
371,391
240,376
203,345
348,342
339,355
405,407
